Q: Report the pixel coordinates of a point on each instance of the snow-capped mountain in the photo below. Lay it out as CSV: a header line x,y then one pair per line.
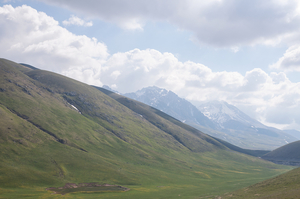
x,y
170,103
221,113
218,119
241,129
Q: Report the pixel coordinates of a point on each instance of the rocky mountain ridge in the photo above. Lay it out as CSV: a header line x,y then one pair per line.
x,y
218,119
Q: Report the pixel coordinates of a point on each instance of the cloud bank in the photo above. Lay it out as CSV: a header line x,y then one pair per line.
x,y
33,37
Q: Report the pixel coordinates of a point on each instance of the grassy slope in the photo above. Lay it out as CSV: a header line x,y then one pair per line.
x,y
283,186
289,151
45,142
288,154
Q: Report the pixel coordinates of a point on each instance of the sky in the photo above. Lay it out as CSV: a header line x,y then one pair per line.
x,y
246,53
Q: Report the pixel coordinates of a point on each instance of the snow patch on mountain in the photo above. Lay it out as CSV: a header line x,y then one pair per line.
x,y
221,112
170,103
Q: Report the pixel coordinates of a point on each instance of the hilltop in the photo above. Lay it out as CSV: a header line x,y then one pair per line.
x,y
288,154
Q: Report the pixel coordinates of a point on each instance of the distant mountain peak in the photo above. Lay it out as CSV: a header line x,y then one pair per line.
x,y
221,112
152,89
170,103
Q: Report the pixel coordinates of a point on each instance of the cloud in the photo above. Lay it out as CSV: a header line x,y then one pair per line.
x,y
272,98
225,23
33,37
73,20
255,79
290,61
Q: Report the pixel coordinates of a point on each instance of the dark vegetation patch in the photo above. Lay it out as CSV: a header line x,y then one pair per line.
x,y
29,66
24,88
290,162
86,187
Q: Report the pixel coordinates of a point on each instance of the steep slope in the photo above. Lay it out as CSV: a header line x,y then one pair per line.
x,y
55,130
242,130
288,154
285,186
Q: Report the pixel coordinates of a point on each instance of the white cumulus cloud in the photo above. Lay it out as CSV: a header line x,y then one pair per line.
x,y
35,38
74,20
290,61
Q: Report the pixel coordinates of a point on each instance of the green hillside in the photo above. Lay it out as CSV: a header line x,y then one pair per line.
x,y
288,154
55,130
285,186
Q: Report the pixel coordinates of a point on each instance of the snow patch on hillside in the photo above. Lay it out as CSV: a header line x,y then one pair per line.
x,y
74,107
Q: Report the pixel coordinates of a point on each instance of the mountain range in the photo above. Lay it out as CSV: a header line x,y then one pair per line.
x,y
56,131
218,119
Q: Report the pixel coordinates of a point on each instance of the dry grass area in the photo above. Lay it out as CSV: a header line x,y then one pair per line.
x,y
86,187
